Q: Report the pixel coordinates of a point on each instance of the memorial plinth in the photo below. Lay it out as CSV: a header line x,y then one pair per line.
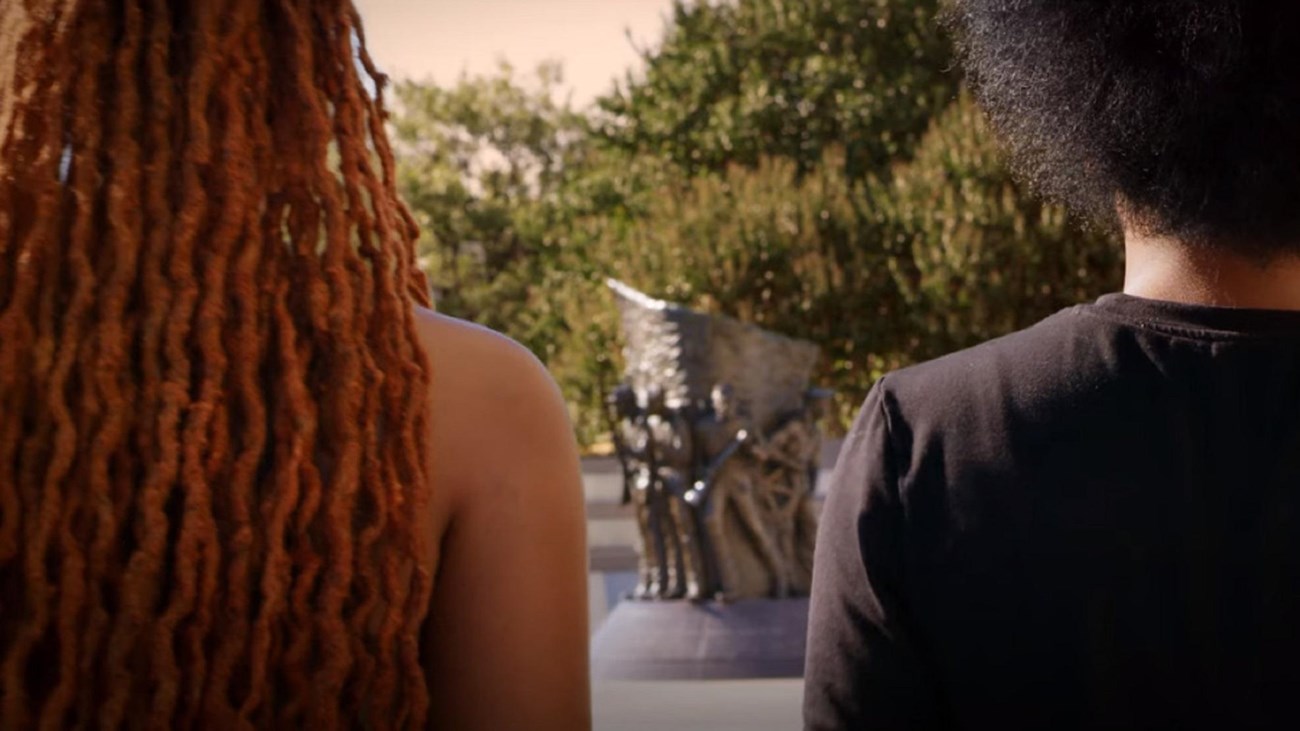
x,y
676,640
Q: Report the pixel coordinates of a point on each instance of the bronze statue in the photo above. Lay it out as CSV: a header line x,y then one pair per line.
x,y
722,490
635,450
726,496
672,437
792,453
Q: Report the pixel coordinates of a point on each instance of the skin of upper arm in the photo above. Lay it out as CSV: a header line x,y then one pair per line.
x,y
507,635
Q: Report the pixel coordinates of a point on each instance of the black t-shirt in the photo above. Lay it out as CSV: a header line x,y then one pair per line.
x,y
1091,523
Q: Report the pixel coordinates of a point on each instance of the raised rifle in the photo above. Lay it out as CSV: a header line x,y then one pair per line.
x,y
698,495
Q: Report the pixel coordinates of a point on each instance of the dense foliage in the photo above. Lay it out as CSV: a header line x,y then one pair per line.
x,y
481,165
736,82
812,167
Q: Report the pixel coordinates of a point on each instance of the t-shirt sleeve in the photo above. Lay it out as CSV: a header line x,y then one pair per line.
x,y
863,667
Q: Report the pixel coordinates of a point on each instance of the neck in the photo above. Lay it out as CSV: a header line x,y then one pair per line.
x,y
1165,269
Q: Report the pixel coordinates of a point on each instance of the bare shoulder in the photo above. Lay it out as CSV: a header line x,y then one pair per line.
x,y
508,491
467,355
495,407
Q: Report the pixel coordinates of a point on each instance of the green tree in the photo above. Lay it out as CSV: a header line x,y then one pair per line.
x,y
976,255
733,82
481,164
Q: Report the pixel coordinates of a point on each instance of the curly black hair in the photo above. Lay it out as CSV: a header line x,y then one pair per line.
x,y
1184,112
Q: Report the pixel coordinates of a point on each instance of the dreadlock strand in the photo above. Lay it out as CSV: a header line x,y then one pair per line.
x,y
301,216
245,321
190,561
211,322
247,343
139,588
377,117
47,436
46,455
296,214
372,591
343,402
409,454
32,196
115,331
308,562
292,436
85,181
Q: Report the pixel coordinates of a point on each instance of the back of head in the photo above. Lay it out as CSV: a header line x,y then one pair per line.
x,y
212,443
1183,113
623,399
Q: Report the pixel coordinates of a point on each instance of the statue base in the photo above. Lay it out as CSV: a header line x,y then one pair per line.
x,y
680,640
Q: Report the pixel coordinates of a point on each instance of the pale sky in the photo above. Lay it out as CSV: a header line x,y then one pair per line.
x,y
439,38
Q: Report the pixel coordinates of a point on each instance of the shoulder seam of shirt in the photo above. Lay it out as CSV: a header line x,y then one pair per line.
x,y
890,445
1177,331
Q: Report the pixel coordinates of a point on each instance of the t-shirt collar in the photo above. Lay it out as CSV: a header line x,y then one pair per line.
x,y
1200,317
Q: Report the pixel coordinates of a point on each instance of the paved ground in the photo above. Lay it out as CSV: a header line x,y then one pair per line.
x,y
703,705
708,705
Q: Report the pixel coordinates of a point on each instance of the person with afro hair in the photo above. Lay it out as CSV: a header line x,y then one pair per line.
x,y
1095,522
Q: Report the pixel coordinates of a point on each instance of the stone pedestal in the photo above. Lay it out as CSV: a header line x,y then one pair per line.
x,y
678,640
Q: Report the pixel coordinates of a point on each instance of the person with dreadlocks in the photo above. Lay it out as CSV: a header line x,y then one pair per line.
x,y
246,479
1095,522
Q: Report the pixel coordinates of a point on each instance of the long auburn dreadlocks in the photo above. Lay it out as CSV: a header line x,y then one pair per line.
x,y
212,420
